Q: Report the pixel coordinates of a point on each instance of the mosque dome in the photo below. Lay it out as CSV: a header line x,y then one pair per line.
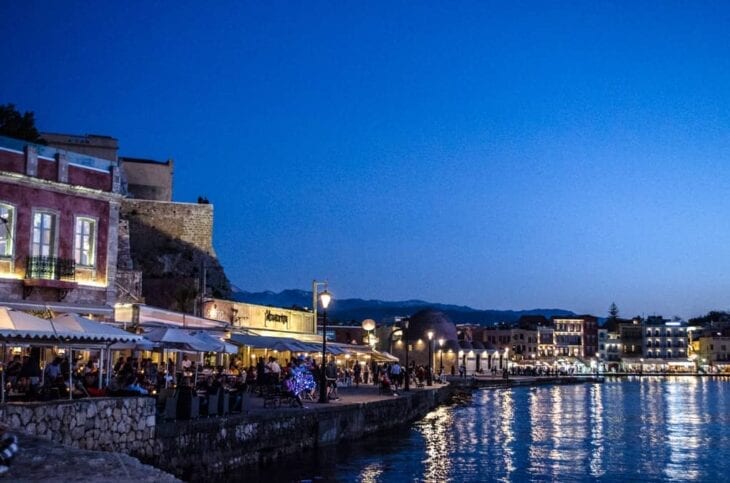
x,y
428,319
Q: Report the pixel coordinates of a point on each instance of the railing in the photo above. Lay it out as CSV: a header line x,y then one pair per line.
x,y
50,268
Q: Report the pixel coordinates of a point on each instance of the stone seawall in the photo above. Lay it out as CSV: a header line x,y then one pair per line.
x,y
208,448
123,425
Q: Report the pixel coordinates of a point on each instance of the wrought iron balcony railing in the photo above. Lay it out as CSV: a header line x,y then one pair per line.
x,y
50,268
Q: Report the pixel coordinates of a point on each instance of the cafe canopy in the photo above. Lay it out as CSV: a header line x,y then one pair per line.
x,y
178,339
17,326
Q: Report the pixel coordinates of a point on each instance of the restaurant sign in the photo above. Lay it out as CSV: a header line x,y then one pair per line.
x,y
276,318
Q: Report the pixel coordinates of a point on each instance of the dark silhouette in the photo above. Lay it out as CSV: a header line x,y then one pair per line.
x,y
19,126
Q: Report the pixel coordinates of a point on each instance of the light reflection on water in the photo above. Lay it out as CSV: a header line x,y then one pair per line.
x,y
648,429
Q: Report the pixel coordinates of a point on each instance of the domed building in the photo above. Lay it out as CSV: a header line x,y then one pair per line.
x,y
444,344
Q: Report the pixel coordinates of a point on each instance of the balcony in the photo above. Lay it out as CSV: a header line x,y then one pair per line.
x,y
49,272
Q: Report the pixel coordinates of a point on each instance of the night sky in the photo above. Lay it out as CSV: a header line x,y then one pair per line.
x,y
495,154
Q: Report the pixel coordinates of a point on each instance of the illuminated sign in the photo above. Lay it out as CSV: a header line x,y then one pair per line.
x,y
277,318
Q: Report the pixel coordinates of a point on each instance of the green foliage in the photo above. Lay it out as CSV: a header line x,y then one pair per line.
x,y
710,317
19,126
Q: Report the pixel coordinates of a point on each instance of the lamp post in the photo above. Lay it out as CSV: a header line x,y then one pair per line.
x,y
429,377
324,299
441,350
407,386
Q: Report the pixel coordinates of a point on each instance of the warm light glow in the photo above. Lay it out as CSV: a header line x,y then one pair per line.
x,y
91,283
325,298
429,334
368,324
441,342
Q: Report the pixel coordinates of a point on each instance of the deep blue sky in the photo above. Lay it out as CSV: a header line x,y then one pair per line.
x,y
501,155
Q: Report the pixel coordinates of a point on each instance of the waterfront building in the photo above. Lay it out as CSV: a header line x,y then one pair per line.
x,y
665,344
576,336
545,342
713,354
262,319
609,349
59,213
449,355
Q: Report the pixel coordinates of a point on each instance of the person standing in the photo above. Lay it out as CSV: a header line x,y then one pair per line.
x,y
395,373
358,373
330,373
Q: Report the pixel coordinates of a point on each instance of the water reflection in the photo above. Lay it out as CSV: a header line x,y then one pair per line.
x,y
648,429
597,462
435,429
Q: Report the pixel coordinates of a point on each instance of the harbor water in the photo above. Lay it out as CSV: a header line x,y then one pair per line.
x,y
624,429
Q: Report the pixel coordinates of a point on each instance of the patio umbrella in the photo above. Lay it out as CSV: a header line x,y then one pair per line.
x,y
221,346
19,325
75,327
178,339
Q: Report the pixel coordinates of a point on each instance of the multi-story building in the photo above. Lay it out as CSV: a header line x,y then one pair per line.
x,y
545,341
664,339
576,336
59,215
632,338
714,349
609,346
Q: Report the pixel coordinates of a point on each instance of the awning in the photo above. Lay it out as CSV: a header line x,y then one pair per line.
x,y
221,345
75,327
69,328
178,339
59,307
283,344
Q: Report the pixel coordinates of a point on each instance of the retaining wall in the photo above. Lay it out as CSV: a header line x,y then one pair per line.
x,y
123,425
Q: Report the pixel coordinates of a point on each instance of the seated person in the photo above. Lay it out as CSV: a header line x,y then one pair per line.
x,y
133,385
386,385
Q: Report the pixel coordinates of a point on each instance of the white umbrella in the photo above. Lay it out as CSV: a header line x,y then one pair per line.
x,y
75,327
19,325
171,338
221,345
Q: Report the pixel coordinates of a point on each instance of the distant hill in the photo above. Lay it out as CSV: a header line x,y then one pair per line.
x,y
346,310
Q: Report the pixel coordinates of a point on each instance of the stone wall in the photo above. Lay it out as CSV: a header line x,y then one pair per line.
x,y
125,425
191,223
223,445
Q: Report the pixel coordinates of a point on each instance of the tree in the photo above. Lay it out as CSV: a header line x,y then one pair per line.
x,y
19,126
613,311
612,321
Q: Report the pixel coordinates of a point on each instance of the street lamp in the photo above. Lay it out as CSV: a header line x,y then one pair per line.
x,y
441,350
407,386
429,377
324,299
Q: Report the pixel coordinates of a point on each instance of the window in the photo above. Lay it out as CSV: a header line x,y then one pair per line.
x,y
85,242
7,228
43,242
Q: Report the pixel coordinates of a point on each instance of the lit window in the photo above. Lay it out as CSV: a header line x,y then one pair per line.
x,y
7,228
85,242
43,243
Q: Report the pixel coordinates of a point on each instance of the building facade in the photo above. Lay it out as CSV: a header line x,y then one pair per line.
x,y
664,339
576,336
261,318
59,214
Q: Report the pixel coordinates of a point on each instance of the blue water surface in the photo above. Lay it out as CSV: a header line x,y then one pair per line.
x,y
641,429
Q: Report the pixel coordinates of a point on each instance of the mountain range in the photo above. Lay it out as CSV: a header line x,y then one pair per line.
x,y
355,310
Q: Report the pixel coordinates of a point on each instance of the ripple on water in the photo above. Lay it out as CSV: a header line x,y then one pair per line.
x,y
650,429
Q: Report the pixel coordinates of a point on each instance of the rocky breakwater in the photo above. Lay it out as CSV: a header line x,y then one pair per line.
x,y
209,448
124,425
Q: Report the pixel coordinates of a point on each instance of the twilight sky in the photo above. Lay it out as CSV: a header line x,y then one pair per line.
x,y
495,154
